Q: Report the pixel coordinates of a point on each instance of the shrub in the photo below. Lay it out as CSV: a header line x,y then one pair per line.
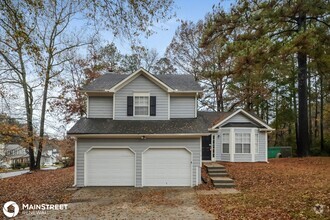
x,y
23,165
16,165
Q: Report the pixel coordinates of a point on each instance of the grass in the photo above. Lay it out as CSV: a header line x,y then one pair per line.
x,y
287,188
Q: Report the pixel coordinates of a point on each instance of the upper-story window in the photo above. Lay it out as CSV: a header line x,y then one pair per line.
x,y
141,104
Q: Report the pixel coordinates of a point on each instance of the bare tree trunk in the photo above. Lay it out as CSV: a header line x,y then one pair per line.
x,y
321,113
316,126
303,137
28,108
28,101
42,121
294,97
276,114
309,107
303,145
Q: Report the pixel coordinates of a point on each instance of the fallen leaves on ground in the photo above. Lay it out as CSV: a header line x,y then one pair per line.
x,y
205,177
39,187
288,188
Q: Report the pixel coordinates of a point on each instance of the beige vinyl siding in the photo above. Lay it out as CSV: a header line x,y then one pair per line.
x,y
100,107
141,85
182,107
138,146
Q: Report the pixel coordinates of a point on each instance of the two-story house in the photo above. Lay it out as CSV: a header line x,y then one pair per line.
x,y
145,130
13,154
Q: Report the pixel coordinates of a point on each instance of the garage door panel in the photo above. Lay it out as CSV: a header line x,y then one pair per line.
x,y
110,167
167,167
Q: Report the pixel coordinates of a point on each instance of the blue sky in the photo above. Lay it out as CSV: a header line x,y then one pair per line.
x,y
192,10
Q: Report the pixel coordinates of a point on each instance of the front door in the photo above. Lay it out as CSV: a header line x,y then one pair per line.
x,y
206,148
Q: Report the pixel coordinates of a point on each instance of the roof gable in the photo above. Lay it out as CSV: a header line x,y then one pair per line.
x,y
136,74
241,116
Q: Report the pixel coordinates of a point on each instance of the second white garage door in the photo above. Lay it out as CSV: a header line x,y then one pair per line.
x,y
167,167
110,167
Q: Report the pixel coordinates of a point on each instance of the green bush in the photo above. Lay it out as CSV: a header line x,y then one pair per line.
x,y
16,166
24,165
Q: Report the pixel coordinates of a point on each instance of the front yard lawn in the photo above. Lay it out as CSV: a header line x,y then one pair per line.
x,y
289,188
39,187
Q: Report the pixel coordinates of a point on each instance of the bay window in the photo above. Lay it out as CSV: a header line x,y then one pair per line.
x,y
242,143
225,143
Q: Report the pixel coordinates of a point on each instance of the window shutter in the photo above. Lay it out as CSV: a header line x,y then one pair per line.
x,y
129,105
152,105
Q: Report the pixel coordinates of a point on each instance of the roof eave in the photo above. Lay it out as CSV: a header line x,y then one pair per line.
x,y
96,91
184,92
266,129
140,136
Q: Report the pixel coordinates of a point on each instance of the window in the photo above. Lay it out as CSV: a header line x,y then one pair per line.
x,y
225,143
141,104
257,143
242,143
213,145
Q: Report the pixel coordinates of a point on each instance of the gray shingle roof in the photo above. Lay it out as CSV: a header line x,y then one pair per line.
x,y
180,82
105,81
175,81
172,126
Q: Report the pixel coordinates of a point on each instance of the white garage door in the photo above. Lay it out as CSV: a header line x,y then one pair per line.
x,y
110,167
167,167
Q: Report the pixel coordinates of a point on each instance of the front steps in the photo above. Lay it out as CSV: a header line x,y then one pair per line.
x,y
219,176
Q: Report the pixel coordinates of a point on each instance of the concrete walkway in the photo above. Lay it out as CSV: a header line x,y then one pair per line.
x,y
14,173
49,168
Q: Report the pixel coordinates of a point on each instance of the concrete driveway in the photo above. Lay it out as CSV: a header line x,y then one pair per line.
x,y
131,203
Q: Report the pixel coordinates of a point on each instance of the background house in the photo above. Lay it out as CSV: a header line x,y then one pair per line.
x,y
13,154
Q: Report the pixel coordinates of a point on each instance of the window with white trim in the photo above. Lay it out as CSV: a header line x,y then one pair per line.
x,y
256,141
225,143
141,104
242,143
